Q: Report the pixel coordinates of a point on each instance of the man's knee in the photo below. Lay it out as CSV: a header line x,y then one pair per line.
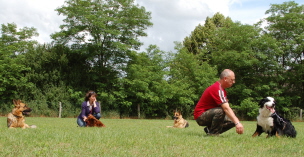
x,y
219,113
219,110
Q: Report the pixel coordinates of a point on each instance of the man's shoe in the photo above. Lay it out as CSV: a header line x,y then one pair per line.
x,y
206,130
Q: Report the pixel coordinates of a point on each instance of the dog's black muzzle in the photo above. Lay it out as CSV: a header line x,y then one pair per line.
x,y
27,111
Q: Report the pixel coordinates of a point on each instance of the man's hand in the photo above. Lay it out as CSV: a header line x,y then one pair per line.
x,y
239,128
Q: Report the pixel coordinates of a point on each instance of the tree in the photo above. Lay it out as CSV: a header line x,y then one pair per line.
x,y
145,83
188,78
13,45
199,40
57,76
285,24
107,31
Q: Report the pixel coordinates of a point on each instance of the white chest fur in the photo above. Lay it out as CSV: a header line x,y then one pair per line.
x,y
264,120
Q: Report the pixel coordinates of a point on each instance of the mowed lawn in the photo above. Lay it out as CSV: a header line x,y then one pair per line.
x,y
139,137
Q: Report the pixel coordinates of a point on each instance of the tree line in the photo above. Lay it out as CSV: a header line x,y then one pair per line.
x,y
97,49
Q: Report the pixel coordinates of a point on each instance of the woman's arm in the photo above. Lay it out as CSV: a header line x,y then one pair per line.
x,y
83,110
97,108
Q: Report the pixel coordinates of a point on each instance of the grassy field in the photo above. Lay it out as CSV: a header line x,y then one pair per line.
x,y
138,137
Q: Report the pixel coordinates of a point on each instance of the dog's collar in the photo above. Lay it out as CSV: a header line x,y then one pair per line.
x,y
17,116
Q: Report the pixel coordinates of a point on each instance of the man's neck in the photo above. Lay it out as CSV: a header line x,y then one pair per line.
x,y
221,83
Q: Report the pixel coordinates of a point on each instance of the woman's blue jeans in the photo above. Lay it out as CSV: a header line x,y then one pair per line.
x,y
82,123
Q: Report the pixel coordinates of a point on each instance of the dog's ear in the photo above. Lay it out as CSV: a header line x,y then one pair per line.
x,y
262,102
16,102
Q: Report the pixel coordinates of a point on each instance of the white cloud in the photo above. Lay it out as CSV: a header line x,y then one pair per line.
x,y
32,13
173,19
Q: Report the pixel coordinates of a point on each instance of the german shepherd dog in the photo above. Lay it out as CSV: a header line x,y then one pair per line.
x,y
92,122
179,121
16,118
270,122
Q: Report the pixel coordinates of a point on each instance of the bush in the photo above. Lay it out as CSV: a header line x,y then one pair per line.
x,y
248,109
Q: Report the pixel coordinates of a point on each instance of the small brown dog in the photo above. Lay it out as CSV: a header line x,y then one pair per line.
x,y
92,122
16,118
179,121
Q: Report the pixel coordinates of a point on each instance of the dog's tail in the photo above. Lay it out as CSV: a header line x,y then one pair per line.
x,y
33,126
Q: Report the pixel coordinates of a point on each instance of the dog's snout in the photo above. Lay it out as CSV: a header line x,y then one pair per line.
x,y
28,110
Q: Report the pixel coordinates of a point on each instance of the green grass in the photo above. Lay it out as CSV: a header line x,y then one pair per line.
x,y
138,137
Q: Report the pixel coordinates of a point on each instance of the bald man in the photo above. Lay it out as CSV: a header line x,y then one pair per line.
x,y
213,110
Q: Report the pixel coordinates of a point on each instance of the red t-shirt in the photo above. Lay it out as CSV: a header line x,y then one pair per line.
x,y
213,96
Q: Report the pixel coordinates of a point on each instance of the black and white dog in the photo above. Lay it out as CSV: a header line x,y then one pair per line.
x,y
272,123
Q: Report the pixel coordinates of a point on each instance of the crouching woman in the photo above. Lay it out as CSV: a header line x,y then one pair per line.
x,y
89,106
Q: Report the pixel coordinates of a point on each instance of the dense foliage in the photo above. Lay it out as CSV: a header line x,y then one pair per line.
x,y
97,49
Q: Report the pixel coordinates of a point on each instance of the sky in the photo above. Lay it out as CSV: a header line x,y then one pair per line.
x,y
173,20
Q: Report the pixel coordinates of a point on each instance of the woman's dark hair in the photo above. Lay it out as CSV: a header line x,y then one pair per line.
x,y
89,94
